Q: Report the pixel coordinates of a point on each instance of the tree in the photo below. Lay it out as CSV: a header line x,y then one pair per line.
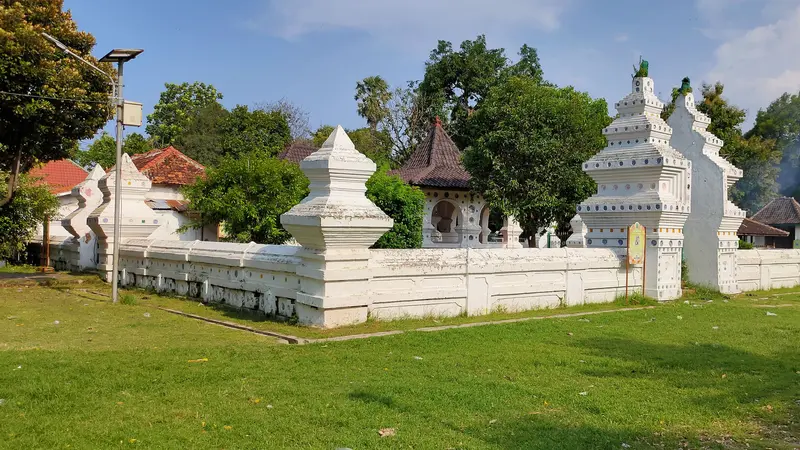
x,y
781,123
456,82
202,139
257,131
376,145
403,203
321,135
527,160
103,150
34,128
177,107
372,95
406,122
295,116
248,194
30,206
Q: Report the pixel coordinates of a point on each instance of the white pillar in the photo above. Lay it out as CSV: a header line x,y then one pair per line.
x,y
336,224
138,220
640,178
82,247
711,240
578,237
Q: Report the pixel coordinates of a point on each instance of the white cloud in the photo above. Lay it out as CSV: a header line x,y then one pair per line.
x,y
622,37
408,22
760,64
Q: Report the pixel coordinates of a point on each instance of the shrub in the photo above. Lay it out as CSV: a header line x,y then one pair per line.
x,y
403,203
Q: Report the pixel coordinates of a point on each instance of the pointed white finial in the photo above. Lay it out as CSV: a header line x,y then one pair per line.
x,y
96,173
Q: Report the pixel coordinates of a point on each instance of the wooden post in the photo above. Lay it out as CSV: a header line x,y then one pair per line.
x,y
627,261
644,264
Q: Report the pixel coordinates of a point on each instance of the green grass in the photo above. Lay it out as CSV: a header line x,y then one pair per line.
x,y
9,268
714,373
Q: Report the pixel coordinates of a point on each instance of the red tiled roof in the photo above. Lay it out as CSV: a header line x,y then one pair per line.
x,y
168,166
781,211
297,151
435,163
59,176
752,227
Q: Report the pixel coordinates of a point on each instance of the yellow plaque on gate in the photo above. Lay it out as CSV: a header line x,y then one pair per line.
x,y
636,241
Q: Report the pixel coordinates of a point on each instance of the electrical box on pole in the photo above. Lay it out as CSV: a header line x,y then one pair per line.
x,y
131,114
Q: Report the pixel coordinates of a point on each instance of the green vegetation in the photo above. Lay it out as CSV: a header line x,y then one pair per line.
x,y
403,203
30,206
248,194
78,371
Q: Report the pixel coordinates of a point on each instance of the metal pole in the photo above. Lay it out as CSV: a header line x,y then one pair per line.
x,y
117,190
644,264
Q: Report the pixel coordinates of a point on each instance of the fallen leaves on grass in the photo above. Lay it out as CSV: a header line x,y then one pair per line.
x,y
198,360
228,427
386,432
255,401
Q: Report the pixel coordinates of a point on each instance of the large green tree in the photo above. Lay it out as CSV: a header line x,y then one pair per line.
x,y
50,100
202,139
29,207
248,194
456,82
527,159
781,122
373,95
248,131
178,106
103,150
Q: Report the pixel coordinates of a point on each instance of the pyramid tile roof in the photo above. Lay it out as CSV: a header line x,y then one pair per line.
x,y
781,211
168,166
752,227
435,163
59,176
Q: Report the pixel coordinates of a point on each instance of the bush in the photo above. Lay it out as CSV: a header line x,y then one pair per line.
x,y
29,207
403,203
744,245
127,299
248,194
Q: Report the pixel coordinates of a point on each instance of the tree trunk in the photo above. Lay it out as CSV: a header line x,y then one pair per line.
x,y
13,180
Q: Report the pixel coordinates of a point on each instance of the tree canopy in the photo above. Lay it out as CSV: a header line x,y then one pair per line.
x,y
247,194
178,106
372,95
103,150
457,82
781,122
34,128
533,139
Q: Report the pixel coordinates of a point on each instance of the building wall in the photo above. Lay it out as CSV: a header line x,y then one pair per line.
x,y
402,283
761,269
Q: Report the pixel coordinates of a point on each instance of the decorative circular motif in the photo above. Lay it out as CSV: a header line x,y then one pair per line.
x,y
605,241
647,161
590,242
613,208
616,187
619,242
579,208
633,163
658,160
658,206
639,207
653,242
446,195
435,194
627,186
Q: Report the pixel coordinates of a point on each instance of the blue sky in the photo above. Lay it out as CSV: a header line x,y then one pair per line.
x,y
312,52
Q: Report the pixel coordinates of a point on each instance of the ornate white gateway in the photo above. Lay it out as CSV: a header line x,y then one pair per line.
x,y
640,178
711,239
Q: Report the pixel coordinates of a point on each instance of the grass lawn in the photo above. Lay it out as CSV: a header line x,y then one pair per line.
x,y
79,372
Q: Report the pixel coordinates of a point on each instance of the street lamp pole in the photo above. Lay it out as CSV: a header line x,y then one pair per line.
x,y
119,56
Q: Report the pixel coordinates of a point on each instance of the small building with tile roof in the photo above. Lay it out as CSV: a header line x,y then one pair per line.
x,y
59,177
297,151
759,234
454,216
170,170
782,213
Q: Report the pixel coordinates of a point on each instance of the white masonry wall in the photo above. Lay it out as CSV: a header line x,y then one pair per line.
x,y
762,269
403,283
